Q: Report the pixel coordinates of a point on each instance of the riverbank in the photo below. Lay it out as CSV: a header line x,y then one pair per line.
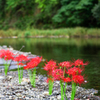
x,y
78,32
10,89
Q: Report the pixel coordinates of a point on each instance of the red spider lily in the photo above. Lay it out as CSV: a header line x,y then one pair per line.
x,y
78,79
33,63
21,58
6,54
74,71
51,65
58,74
67,80
79,62
65,72
66,64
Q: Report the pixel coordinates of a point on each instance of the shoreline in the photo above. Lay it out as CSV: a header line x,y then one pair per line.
x,y
53,36
76,32
10,89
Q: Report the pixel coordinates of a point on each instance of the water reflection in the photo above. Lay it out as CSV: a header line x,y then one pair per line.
x,y
62,49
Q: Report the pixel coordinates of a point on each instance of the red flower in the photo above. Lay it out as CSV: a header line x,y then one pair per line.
x,y
33,63
57,74
67,80
6,54
21,58
78,79
79,62
51,65
74,71
22,64
66,64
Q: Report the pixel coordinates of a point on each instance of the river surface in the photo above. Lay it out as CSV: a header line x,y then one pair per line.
x,y
63,49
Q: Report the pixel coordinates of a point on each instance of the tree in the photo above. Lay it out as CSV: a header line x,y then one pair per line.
x,y
2,8
74,13
48,13
96,12
48,9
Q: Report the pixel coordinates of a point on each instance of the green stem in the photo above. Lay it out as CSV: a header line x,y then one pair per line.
x,y
50,87
73,90
6,68
62,94
65,91
32,76
20,75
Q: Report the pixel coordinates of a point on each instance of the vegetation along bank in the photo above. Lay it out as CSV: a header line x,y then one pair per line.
x,y
62,32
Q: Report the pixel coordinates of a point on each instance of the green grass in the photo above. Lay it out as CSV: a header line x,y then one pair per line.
x,y
78,31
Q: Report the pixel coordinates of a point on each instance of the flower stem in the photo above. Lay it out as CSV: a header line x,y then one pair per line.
x,y
62,94
6,68
65,91
20,74
32,76
50,86
73,90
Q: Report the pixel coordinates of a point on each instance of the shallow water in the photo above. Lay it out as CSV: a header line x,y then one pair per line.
x,y
63,49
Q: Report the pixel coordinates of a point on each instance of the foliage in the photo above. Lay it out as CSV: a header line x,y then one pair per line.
x,y
20,7
74,13
2,8
46,14
27,34
18,13
61,32
96,11
43,4
47,9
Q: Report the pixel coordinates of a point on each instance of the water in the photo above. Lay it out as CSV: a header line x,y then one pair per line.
x,y
63,49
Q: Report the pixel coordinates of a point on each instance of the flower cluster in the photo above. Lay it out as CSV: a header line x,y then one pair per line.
x,y
33,63
21,60
66,72
6,54
30,65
